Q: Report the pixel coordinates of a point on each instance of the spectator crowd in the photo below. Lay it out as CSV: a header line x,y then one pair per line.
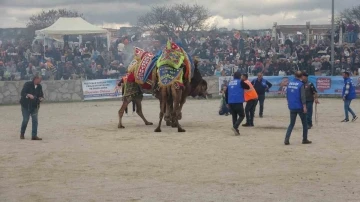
x,y
220,53
224,55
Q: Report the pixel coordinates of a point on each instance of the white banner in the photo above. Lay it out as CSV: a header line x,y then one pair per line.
x,y
102,89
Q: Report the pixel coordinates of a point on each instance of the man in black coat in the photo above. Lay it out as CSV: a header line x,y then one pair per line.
x,y
31,96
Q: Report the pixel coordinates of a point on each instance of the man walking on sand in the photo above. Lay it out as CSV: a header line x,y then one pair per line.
x,y
234,98
251,99
261,86
31,96
348,94
296,98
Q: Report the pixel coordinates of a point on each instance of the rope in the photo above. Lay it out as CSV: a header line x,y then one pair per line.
x,y
316,114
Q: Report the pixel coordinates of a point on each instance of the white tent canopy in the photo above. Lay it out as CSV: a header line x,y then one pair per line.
x,y
71,26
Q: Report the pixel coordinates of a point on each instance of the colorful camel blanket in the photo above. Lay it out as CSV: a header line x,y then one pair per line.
x,y
168,75
175,56
142,66
172,56
168,61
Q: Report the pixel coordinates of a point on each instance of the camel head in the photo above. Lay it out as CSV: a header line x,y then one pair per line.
x,y
198,84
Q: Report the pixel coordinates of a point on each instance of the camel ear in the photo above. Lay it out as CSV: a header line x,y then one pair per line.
x,y
196,63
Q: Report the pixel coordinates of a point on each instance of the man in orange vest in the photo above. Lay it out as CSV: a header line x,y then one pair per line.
x,y
251,98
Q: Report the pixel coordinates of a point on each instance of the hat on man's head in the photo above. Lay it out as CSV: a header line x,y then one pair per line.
x,y
305,74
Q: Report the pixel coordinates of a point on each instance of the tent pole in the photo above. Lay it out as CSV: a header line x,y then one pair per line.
x,y
44,47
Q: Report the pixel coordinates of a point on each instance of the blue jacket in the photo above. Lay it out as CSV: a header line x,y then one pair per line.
x,y
293,94
350,93
235,92
260,86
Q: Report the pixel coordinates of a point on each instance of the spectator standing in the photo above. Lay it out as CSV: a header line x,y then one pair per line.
x,y
356,31
350,31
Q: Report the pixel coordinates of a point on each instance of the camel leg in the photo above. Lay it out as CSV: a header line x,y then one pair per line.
x,y
185,93
122,109
176,94
169,109
139,111
162,108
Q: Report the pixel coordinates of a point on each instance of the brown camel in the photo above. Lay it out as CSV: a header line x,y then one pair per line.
x,y
173,97
132,92
197,87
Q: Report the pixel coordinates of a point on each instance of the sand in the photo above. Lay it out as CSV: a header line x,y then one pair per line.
x,y
85,157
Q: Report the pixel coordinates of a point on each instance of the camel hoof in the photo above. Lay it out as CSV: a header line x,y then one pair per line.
x,y
180,130
157,130
168,123
120,126
149,124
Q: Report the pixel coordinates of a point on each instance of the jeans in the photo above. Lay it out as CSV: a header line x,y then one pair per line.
x,y
261,100
348,109
309,106
26,113
350,37
293,115
238,115
250,111
224,110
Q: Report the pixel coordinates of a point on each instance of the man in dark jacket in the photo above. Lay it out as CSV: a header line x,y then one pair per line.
x,y
31,96
261,86
311,97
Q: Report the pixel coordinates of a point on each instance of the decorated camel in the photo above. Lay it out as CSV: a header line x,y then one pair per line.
x,y
144,74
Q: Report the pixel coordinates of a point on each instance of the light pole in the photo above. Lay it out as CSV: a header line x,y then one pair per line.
x,y
242,22
332,37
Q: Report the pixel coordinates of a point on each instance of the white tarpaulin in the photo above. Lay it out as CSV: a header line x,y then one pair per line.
x,y
71,26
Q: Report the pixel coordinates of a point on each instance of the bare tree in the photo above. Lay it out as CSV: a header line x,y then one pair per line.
x,y
179,17
47,18
351,14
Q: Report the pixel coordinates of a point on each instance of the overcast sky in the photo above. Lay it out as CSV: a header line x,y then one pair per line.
x,y
258,14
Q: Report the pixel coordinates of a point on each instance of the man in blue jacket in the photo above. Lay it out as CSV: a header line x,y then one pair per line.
x,y
348,94
296,98
261,86
234,98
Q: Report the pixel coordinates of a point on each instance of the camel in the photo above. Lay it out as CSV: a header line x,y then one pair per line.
x,y
175,84
146,79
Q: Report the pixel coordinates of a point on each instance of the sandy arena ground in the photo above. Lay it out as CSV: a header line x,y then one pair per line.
x,y
85,157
